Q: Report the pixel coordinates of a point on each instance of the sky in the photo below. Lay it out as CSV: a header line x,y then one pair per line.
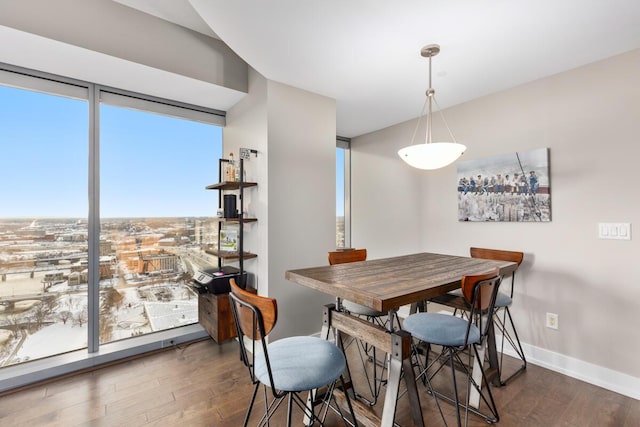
x,y
151,165
340,182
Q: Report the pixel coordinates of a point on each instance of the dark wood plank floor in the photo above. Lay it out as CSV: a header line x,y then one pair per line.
x,y
205,384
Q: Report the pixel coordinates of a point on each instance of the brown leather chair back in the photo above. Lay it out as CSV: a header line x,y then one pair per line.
x,y
267,307
347,255
497,255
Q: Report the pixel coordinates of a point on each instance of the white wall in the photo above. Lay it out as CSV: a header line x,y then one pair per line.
x,y
247,127
385,195
294,133
588,118
302,201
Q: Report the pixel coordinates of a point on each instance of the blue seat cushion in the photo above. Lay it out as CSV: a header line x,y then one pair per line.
x,y
300,363
362,310
440,329
502,299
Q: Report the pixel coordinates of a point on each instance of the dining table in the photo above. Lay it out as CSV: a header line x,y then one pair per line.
x,y
385,285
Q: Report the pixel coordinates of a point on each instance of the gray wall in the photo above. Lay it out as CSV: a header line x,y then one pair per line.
x,y
589,119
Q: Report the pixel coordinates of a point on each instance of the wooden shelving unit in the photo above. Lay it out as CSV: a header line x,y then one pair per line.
x,y
214,310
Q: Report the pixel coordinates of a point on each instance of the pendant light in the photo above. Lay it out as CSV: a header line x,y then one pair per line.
x,y
431,155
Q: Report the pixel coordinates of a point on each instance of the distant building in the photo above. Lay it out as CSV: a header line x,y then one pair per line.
x,y
167,241
74,279
106,247
106,269
150,263
53,276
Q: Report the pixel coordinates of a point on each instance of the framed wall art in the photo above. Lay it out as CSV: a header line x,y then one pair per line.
x,y
513,187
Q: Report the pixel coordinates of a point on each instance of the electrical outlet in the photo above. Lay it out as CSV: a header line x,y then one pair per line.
x,y
552,320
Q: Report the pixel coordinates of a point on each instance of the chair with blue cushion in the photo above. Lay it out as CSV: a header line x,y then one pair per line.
x,y
353,255
455,335
288,366
502,313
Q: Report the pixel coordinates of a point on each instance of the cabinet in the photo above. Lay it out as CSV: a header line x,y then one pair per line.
x,y
214,312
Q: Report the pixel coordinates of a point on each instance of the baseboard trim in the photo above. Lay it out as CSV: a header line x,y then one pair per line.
x,y
606,378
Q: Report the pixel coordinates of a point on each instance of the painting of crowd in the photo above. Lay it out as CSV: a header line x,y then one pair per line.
x,y
512,188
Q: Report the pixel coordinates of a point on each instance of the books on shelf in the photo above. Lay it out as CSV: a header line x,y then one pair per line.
x,y
229,240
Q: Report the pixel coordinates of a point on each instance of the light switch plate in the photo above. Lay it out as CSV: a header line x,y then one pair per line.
x,y
614,230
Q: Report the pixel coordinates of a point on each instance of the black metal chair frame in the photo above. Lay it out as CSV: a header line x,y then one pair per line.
x,y
452,356
308,406
514,342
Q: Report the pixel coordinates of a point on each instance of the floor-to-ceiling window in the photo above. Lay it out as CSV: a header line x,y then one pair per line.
x,y
104,214
155,216
343,188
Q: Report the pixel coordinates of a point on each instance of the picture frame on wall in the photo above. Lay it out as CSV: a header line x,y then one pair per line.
x,y
508,188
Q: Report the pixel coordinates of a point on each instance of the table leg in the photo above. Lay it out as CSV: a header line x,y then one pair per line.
x,y
476,374
488,346
401,360
398,345
493,353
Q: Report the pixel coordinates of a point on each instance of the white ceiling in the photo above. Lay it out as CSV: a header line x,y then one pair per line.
x,y
366,53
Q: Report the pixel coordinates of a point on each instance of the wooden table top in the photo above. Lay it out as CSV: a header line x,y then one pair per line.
x,y
389,283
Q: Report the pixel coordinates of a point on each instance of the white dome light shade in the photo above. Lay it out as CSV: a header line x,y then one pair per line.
x,y
433,155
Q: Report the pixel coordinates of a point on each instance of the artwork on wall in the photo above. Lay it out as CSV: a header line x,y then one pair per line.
x,y
513,187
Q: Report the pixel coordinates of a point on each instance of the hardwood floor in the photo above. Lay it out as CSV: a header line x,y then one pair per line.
x,y
205,384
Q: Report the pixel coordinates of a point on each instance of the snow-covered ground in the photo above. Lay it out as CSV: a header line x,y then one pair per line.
x,y
169,315
139,310
53,339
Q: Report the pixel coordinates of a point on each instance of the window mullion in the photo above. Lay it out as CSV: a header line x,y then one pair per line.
x,y
93,310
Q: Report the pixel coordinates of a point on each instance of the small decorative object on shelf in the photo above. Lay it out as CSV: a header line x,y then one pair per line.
x,y
230,171
229,240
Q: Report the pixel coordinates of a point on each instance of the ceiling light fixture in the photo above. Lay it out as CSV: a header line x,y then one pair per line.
x,y
431,155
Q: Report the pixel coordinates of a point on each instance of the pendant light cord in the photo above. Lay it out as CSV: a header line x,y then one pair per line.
x,y
445,121
431,97
415,131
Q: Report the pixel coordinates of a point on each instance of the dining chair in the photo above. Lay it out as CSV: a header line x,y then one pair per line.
x,y
367,353
288,366
353,255
454,335
502,314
